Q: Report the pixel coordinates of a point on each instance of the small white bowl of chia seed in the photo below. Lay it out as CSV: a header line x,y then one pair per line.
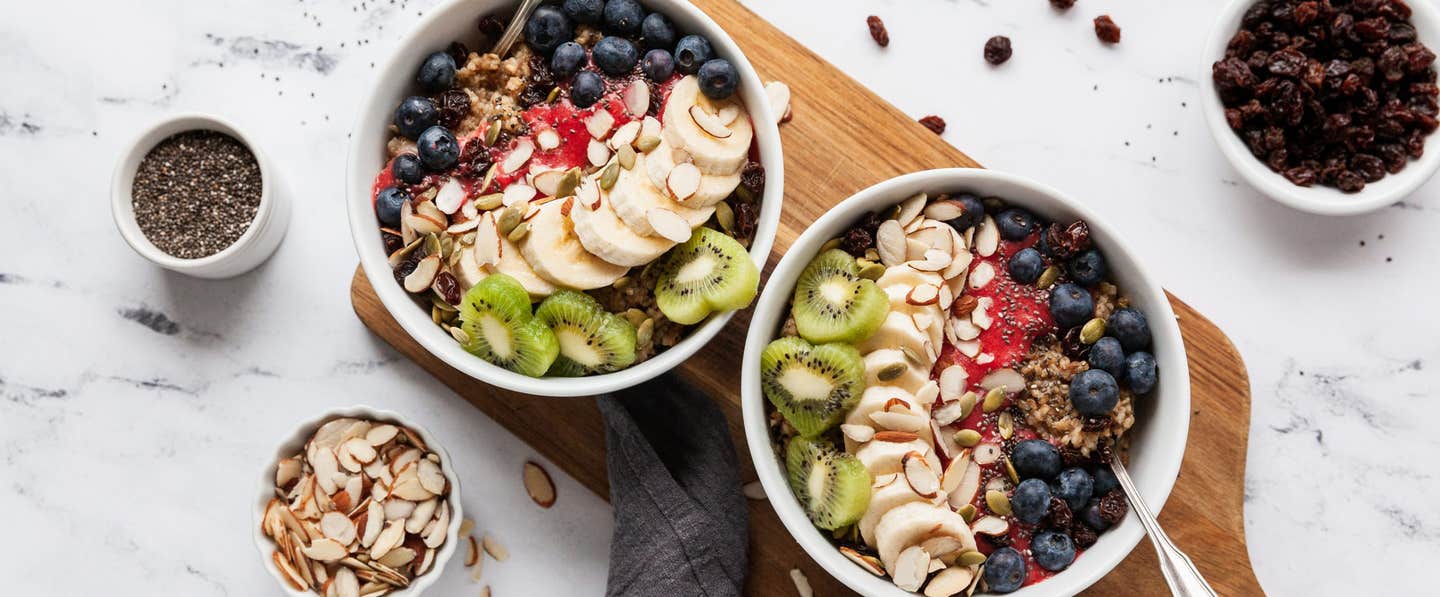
x,y
194,195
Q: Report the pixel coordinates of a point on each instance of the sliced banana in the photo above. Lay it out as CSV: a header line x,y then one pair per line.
x,y
604,235
714,188
712,154
555,253
883,499
910,378
899,331
468,273
874,400
900,283
512,262
634,195
912,523
883,458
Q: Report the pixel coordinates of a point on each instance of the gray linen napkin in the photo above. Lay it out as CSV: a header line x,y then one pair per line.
x,y
680,519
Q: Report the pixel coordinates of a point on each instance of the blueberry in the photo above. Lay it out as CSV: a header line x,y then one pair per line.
x,y
1044,245
1015,223
1052,551
387,205
1030,500
1071,305
1074,485
1026,265
1035,459
414,115
567,59
656,31
1091,515
615,55
1105,480
438,149
436,73
583,11
658,65
1004,570
1106,355
972,211
407,169
1088,268
1129,327
623,17
718,79
691,52
1094,393
586,89
547,29
1140,372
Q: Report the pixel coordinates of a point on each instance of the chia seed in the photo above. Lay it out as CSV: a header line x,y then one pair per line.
x,y
195,193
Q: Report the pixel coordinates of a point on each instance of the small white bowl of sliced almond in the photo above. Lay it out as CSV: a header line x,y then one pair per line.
x,y
358,503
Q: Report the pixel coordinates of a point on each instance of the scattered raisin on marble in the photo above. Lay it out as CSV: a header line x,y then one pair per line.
x,y
877,30
998,50
1107,30
935,123
1062,4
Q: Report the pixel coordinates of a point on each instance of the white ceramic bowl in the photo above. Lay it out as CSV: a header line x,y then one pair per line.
x,y
1316,199
294,444
456,21
250,250
1162,419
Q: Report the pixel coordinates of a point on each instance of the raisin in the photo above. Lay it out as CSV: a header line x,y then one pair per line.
x,y
454,106
747,217
752,177
459,52
1059,514
1067,241
1096,423
877,30
1349,182
393,242
448,288
935,123
1301,176
1071,345
998,50
1062,4
1286,63
1113,507
491,25
1083,535
1073,457
856,241
1305,13
475,160
1107,30
407,266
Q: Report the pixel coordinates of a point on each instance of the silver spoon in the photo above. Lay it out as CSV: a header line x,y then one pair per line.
x,y
515,28
1180,573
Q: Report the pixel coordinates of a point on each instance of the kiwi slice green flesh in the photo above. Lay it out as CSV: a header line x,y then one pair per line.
x,y
591,339
833,486
495,314
812,386
832,303
710,272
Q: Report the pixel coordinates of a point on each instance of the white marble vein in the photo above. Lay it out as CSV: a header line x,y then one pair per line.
x,y
137,405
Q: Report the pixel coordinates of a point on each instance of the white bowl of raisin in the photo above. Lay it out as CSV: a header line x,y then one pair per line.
x,y
1328,107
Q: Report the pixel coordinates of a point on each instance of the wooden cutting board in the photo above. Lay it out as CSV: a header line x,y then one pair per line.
x,y
844,138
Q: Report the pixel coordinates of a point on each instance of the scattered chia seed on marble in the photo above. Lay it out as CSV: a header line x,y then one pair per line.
x,y
196,193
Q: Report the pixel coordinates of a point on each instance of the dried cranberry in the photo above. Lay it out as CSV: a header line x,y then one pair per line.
x,y
1107,30
1059,514
1113,507
475,160
407,265
935,123
448,287
877,30
998,50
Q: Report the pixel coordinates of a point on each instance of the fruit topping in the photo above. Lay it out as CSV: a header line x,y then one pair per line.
x,y
585,12
437,72
567,59
657,65
832,303
547,28
1094,393
657,32
1106,355
615,56
1004,570
1088,268
387,205
591,339
812,386
1130,327
438,149
623,17
1030,500
1075,486
587,88
1035,459
1052,550
495,315
718,78
710,272
1026,265
1140,372
1015,223
1071,305
407,168
414,115
691,52
832,486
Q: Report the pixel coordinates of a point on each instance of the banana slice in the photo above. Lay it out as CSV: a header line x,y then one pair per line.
x,y
884,498
604,235
634,195
899,331
714,188
873,400
886,362
555,253
468,273
883,457
513,263
711,153
905,286
914,523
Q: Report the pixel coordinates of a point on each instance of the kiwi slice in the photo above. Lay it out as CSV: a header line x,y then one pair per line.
x,y
592,340
812,386
832,303
833,486
495,314
710,272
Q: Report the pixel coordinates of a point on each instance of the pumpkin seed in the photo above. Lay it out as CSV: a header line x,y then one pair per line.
x,y
554,93
1010,472
890,372
833,243
489,202
607,178
970,557
468,238
646,143
435,315
994,398
489,178
428,195
447,245
621,282
459,334
744,194
726,217
1093,331
1048,277
439,303
492,134
1006,423
911,356
967,438
626,156
508,220
634,316
645,333
433,246
519,232
871,271
997,502
872,254
967,512
967,403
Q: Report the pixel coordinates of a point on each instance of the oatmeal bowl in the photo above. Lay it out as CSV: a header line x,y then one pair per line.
x,y
578,214
936,374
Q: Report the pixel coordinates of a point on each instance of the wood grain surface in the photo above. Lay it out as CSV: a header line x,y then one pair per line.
x,y
844,138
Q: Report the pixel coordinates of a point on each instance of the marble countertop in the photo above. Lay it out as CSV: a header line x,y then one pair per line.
x,y
137,406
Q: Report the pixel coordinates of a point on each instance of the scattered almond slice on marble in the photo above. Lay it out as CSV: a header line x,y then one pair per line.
x,y
802,583
494,548
754,490
538,484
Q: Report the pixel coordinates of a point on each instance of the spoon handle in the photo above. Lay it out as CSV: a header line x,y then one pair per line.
x,y
1180,573
516,27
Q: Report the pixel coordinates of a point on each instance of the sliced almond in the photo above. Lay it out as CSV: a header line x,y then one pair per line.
x,y
870,563
900,421
420,516
968,485
463,227
1007,378
898,437
987,237
599,123
399,509
669,224
950,582
922,479
911,568
337,526
858,433
927,393
487,241
288,570
420,280
588,193
945,444
374,522
890,242
360,449
802,583
379,435
637,98
518,156
398,557
472,553
597,152
969,348
959,264
962,330
934,261
538,484
923,294
910,208
391,537
981,315
547,139
945,210
625,135
649,127
450,196
431,477
955,471
516,194
287,471
325,549
709,123
981,275
494,548
424,224
683,181
547,183
990,525
779,96
436,536
345,583
987,453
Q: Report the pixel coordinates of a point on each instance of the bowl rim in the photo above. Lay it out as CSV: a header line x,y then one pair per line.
x,y
295,441
123,210
435,341
1316,199
1169,446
